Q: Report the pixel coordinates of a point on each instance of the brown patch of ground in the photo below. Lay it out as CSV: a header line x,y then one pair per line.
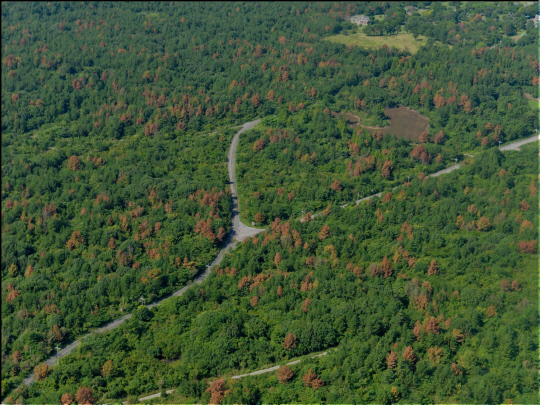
x,y
529,96
404,123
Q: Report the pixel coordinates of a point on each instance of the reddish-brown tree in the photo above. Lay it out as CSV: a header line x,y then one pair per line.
x,y
491,311
67,399
456,369
290,196
433,268
391,360
386,267
256,100
17,357
458,335
523,206
41,371
387,168
439,137
217,391
528,247
74,163
432,326
305,305
484,224
310,380
416,153
417,330
435,354
107,369
29,271
285,374
258,145
408,355
277,259
336,186
325,232
290,342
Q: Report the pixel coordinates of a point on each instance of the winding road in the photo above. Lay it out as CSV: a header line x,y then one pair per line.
x,y
511,146
239,232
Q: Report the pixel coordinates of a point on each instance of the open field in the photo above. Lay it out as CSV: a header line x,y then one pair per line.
x,y
534,104
404,123
403,41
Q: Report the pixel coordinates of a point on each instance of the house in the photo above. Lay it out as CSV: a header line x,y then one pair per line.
x,y
535,20
360,20
410,9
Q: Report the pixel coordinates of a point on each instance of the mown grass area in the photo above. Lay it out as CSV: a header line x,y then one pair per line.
x,y
535,105
403,41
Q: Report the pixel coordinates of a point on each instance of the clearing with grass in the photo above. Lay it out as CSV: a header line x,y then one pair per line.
x,y
404,41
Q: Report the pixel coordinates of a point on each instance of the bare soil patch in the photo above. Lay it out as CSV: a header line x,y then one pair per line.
x,y
529,96
404,123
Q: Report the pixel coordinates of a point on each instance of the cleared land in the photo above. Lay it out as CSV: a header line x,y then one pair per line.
x,y
404,41
534,104
404,123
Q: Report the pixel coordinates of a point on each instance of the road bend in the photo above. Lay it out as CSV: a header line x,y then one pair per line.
x,y
238,233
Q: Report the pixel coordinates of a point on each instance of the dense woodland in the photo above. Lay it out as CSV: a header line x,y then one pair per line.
x,y
116,121
309,160
429,294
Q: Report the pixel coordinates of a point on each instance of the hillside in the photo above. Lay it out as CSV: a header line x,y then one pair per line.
x,y
117,123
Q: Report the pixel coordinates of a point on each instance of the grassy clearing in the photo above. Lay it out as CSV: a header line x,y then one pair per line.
x,y
535,105
404,41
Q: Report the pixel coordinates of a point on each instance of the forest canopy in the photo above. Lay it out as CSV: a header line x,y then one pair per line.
x,y
116,121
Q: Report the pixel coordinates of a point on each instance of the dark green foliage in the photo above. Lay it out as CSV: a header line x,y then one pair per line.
x,y
355,308
116,120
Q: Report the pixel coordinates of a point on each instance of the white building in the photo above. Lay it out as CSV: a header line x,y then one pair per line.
x,y
360,20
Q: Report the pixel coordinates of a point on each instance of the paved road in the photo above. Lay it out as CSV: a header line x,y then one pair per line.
x,y
518,144
239,232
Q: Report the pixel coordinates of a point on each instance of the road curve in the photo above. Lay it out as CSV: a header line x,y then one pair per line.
x,y
238,233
